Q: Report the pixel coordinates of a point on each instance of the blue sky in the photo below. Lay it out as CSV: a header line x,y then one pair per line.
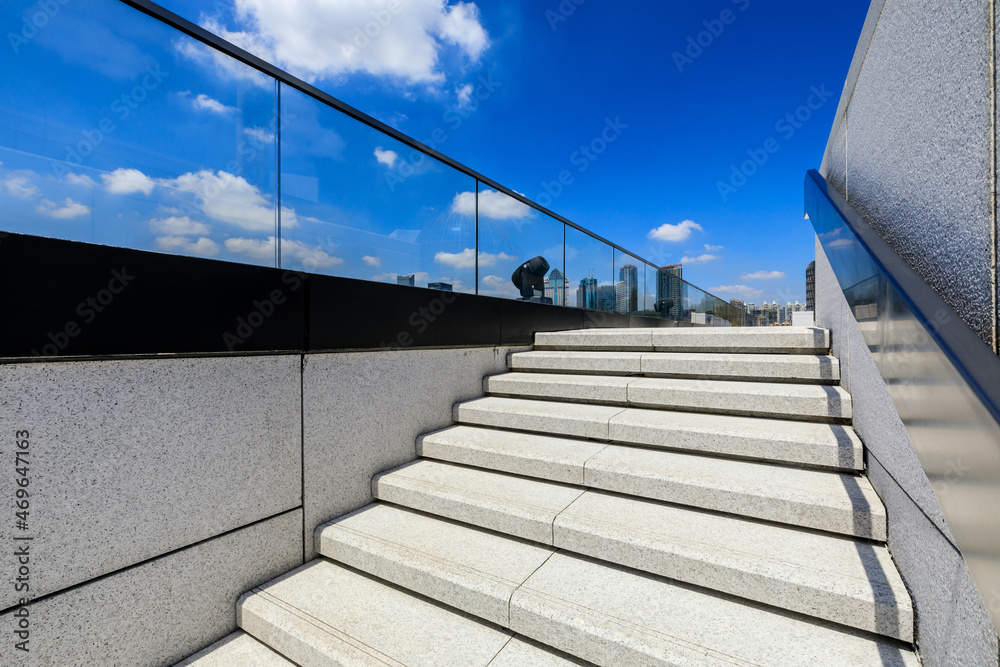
x,y
117,130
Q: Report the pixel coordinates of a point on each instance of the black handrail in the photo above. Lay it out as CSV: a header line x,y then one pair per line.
x,y
972,357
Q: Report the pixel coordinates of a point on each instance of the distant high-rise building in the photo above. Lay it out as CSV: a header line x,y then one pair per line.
x,y
811,287
606,298
444,287
586,294
405,280
670,289
555,287
627,290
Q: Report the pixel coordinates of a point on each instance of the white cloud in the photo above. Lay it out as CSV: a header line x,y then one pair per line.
x,y
714,248
319,39
81,181
763,275
127,182
388,158
372,261
312,257
678,232
20,187
261,250
205,103
700,259
467,258
178,226
231,199
492,204
737,290
464,95
498,286
225,66
66,210
260,135
203,247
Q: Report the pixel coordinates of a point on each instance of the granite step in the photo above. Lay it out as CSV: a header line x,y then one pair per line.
x,y
326,614
799,368
611,615
791,442
238,648
476,571
744,340
817,403
526,507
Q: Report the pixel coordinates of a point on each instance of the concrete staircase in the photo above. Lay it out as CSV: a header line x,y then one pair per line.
x,y
621,497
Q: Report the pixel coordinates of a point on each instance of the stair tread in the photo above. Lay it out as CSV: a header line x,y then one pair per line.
x,y
521,507
326,614
805,443
839,580
512,505
472,570
613,615
760,367
804,401
238,648
477,571
794,340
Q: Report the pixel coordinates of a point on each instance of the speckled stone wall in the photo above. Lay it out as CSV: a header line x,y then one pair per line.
x,y
363,412
912,148
161,489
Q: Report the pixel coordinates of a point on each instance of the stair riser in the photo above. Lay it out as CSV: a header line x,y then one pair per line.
x,y
729,578
827,519
807,371
624,429
644,393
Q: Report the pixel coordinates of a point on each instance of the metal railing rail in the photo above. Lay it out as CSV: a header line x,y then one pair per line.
x,y
970,355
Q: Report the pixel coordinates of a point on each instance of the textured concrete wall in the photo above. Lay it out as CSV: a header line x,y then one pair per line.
x,y
131,459
952,623
363,412
162,489
912,148
160,611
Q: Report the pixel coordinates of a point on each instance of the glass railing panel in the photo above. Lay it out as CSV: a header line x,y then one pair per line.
x,y
511,234
630,282
358,204
117,129
648,299
944,392
589,272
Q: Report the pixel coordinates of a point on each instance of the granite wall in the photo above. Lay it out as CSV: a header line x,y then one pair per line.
x,y
161,489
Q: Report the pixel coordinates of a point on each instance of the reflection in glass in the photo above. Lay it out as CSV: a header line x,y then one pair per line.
x,y
589,272
630,283
510,234
369,207
142,145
